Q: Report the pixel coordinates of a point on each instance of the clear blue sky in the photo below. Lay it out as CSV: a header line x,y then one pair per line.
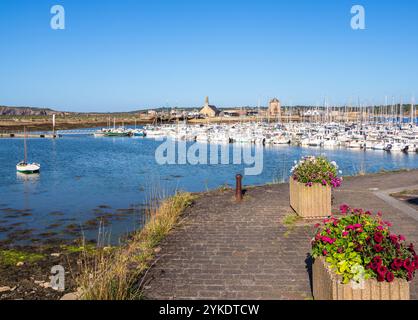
x,y
131,54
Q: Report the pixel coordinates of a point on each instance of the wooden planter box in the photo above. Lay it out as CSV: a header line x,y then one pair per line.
x,y
310,202
327,285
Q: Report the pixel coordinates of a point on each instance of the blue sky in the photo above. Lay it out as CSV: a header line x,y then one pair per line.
x,y
131,54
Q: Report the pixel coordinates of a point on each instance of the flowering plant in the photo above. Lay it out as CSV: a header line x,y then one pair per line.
x,y
362,239
310,170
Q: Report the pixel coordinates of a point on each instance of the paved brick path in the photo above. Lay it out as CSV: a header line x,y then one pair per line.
x,y
225,250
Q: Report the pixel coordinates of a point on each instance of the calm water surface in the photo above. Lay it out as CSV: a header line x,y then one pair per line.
x,y
86,180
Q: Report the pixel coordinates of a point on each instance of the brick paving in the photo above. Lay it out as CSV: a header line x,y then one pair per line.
x,y
228,250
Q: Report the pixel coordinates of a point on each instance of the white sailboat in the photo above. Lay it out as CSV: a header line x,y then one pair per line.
x,y
24,166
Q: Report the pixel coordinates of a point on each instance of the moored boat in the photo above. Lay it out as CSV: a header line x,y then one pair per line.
x,y
24,166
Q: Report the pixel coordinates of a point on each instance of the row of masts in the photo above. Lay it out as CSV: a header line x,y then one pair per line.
x,y
394,113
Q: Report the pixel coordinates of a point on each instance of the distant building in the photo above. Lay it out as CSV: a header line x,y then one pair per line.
x,y
231,113
209,110
275,108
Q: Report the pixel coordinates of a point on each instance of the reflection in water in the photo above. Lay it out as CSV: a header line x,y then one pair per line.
x,y
27,177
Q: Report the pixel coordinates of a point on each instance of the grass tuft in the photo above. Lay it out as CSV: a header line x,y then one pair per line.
x,y
116,274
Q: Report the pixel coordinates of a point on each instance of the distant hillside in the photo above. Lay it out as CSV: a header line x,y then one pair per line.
x,y
28,111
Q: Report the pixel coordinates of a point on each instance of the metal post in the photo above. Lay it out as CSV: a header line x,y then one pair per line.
x,y
238,189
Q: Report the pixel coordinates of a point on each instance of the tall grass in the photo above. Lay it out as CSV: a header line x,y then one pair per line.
x,y
116,274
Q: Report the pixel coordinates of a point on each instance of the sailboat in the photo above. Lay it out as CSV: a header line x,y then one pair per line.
x,y
24,166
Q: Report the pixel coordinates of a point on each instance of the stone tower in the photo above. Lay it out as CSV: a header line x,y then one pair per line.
x,y
275,108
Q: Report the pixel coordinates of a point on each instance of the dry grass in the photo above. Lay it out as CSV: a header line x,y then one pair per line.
x,y
115,274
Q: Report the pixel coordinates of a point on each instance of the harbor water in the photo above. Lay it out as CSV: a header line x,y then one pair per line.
x,y
89,184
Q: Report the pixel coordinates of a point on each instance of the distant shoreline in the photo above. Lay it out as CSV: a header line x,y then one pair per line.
x,y
45,123
11,126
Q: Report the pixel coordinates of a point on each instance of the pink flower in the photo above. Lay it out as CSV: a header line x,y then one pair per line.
x,y
345,233
402,238
387,223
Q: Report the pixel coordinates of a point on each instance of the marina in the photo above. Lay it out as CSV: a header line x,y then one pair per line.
x,y
396,137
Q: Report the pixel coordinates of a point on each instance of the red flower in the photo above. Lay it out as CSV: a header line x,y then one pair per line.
x,y
344,208
378,237
378,248
377,260
408,265
325,252
390,277
382,270
394,267
398,263
380,278
410,276
393,239
402,238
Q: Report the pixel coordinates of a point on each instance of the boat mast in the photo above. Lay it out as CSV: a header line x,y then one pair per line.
x,y
25,147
